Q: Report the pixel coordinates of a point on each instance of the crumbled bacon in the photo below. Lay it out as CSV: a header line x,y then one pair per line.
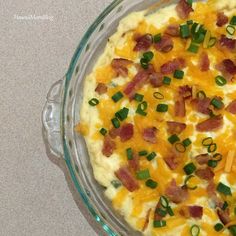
x,y
202,159
185,91
127,179
211,191
156,215
108,146
232,107
204,62
202,105
134,162
126,132
144,42
223,216
195,211
227,43
175,127
183,9
120,66
156,79
101,88
175,193
171,66
114,132
211,124
173,30
206,173
149,134
166,44
172,161
146,220
180,109
222,19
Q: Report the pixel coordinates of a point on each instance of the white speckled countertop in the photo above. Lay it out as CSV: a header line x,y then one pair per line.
x,y
34,195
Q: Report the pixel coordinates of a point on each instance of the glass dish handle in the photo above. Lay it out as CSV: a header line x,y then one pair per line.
x,y
51,119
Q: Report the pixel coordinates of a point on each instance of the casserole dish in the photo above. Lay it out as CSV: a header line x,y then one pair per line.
x,y
61,114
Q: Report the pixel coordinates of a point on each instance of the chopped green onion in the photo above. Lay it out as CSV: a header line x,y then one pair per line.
x,y
129,153
193,48
116,183
151,183
190,2
103,131
159,223
187,179
117,96
212,163
207,141
199,37
93,102
162,108
143,174
164,201
115,122
179,147
212,148
170,211
141,109
218,227
158,95
194,28
157,38
151,156
195,230
138,97
187,142
148,56
161,212
178,74
217,103
189,22
122,114
166,80
222,188
233,20
189,168
212,42
184,31
173,139
230,29
201,94
225,205
217,156
232,230
220,80
144,63
143,153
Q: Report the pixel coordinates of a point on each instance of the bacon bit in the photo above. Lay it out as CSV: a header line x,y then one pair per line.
x,y
144,42
211,124
134,162
114,133
211,191
146,220
165,45
101,88
173,30
180,109
227,43
185,92
119,65
229,161
232,107
171,161
175,127
173,65
156,79
138,81
184,212
204,62
183,9
175,193
223,216
126,178
149,135
227,68
195,211
206,173
126,132
202,105
222,19
156,215
108,146
202,159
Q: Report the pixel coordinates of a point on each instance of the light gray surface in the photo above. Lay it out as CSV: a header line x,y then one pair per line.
x,y
34,195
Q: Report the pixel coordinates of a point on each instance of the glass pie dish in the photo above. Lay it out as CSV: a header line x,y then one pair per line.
x,y
61,113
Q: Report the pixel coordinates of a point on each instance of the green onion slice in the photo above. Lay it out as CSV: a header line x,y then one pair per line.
x,y
164,201
144,63
230,29
220,80
212,163
207,141
180,147
159,223
129,153
143,174
93,102
201,94
158,95
186,142
157,38
232,230
189,168
184,31
116,183
186,182
173,139
161,212
162,108
143,153
117,96
233,20
212,42
195,230
179,74
217,156
217,103
151,183
170,211
138,97
218,227
122,114
103,131
222,188
142,107
115,122
225,205
166,80
151,156
148,56
212,148
193,48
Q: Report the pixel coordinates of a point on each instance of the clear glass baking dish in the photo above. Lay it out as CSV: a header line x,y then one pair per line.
x,y
61,113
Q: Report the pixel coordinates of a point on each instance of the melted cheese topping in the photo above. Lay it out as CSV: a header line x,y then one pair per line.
x,y
135,205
